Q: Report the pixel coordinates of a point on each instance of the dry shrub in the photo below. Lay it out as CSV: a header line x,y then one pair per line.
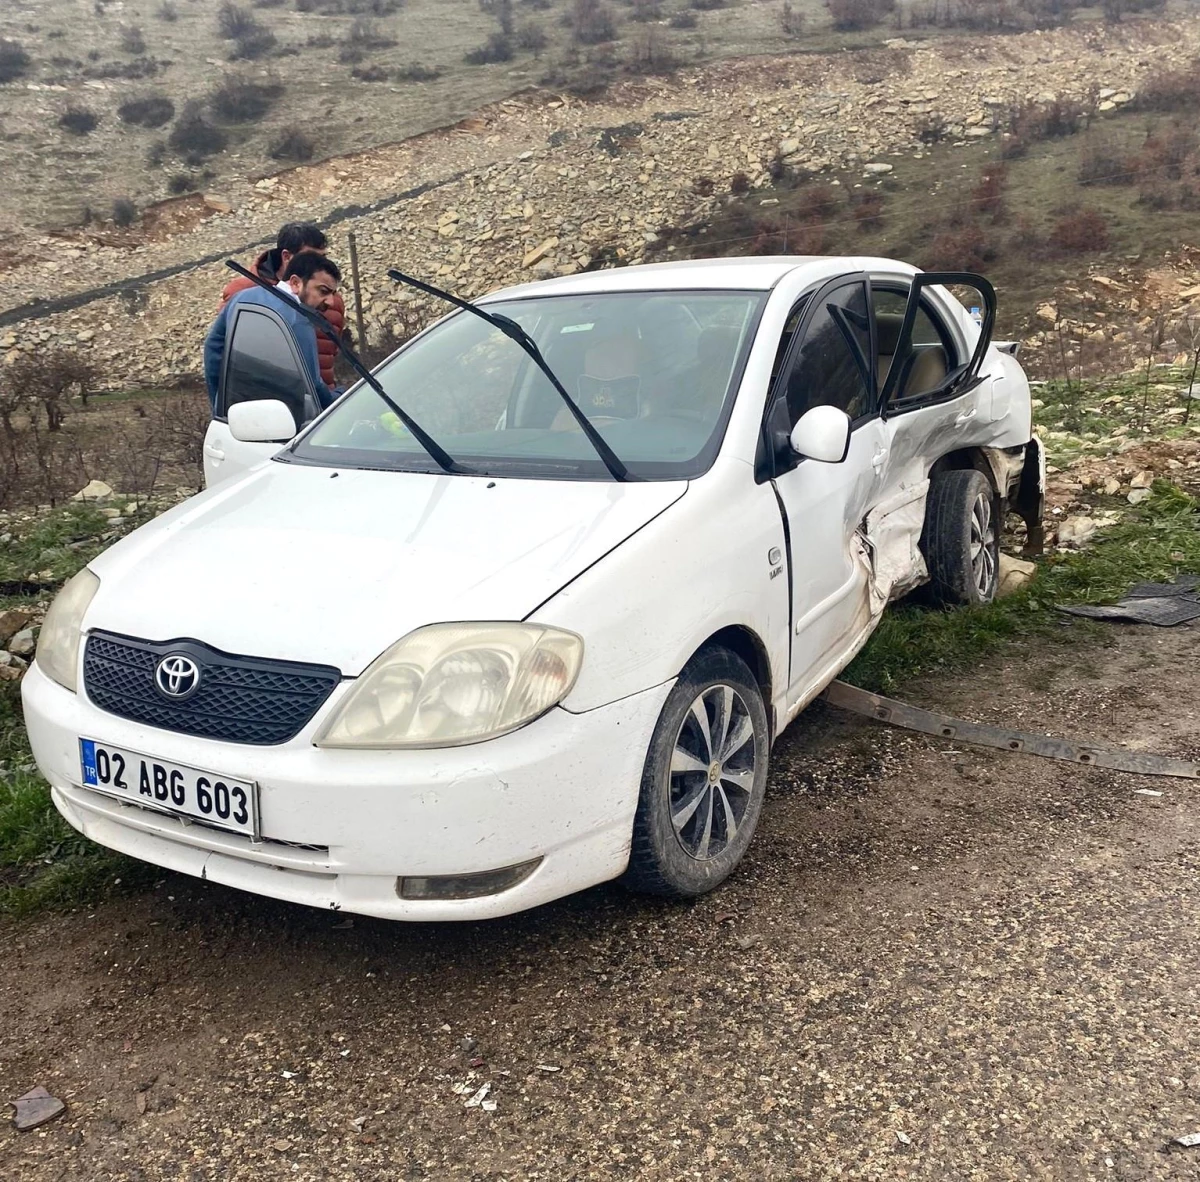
x,y
1079,232
532,38
293,143
1104,163
851,15
592,22
194,136
817,202
148,110
1171,90
739,184
124,212
961,248
790,21
238,100
930,128
650,53
683,20
133,40
14,61
807,240
867,209
234,22
497,48
988,195
416,72
79,120
704,186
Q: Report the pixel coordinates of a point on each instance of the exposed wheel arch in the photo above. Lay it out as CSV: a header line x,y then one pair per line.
x,y
748,645
968,459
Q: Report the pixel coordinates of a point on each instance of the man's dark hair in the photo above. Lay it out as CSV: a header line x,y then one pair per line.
x,y
305,266
297,236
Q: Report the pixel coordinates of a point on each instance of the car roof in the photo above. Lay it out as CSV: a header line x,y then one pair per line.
x,y
724,274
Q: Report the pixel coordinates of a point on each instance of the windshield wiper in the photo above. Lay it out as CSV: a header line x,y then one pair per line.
x,y
441,457
511,329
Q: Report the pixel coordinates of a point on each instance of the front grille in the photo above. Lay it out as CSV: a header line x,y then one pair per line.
x,y
239,699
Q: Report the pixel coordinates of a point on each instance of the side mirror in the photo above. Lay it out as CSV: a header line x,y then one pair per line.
x,y
823,433
265,421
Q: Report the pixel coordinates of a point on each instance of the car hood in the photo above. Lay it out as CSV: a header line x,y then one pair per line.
x,y
332,567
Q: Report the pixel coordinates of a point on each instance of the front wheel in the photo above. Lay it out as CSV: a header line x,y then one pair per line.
x,y
703,782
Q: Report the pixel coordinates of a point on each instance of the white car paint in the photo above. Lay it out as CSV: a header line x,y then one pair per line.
x,y
332,565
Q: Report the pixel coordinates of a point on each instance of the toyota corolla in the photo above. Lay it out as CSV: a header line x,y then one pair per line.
x,y
527,611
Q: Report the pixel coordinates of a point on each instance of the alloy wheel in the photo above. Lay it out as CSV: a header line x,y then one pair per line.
x,y
713,766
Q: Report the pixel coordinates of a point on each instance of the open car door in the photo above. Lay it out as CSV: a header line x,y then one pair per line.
x,y
261,363
960,378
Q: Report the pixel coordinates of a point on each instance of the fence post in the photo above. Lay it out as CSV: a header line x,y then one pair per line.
x,y
361,343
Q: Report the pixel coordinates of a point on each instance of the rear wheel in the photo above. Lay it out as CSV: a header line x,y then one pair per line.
x,y
961,539
703,781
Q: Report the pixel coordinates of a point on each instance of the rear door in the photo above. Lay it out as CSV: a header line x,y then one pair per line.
x,y
261,362
935,400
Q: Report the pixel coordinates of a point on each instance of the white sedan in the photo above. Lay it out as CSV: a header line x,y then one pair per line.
x,y
485,637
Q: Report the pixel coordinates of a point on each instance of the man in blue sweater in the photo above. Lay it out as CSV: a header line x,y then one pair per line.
x,y
310,279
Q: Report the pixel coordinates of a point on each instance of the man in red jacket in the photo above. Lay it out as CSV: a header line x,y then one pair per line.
x,y
295,238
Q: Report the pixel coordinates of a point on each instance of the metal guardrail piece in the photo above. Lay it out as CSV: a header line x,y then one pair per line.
x,y
913,718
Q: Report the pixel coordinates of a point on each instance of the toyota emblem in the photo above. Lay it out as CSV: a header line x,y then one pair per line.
x,y
177,677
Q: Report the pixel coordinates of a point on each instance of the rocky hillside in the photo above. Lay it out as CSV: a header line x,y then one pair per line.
x,y
543,185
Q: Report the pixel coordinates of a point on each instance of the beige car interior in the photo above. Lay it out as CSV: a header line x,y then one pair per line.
x,y
929,367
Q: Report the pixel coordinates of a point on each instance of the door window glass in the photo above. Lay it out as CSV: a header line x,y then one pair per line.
x,y
831,366
931,359
263,363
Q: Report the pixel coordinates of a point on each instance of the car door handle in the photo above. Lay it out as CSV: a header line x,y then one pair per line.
x,y
217,453
878,458
966,416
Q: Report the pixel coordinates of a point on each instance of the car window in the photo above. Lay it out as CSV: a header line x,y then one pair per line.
x,y
933,355
262,362
831,367
655,373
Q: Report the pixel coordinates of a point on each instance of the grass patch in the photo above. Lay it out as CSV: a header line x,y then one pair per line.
x,y
1157,540
57,544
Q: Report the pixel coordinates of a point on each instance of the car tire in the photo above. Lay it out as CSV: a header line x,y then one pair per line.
x,y
961,539
703,782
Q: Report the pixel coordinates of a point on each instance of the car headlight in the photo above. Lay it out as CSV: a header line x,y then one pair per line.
x,y
450,684
58,641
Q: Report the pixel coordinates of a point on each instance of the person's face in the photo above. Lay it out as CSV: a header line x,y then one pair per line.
x,y
286,256
316,292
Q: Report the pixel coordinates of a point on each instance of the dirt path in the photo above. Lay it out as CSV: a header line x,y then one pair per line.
x,y
991,955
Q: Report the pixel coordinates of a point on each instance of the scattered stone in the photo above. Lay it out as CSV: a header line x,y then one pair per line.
x,y
877,169
13,621
1014,573
535,256
1142,480
94,490
1112,487
1076,530
23,644
1138,495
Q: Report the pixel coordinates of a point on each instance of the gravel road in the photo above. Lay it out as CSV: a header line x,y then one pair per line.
x,y
938,963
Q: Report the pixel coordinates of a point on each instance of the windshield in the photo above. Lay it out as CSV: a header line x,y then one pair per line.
x,y
653,372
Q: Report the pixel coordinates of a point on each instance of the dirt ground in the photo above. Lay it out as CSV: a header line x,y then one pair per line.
x,y
937,963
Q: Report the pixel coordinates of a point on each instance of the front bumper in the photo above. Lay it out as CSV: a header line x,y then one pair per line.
x,y
341,827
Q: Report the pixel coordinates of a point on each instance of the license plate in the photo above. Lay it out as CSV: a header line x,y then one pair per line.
x,y
170,787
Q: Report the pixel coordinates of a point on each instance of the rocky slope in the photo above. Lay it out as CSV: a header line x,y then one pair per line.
x,y
537,185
